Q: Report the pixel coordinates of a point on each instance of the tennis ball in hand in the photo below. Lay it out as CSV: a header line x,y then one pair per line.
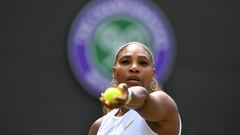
x,y
109,93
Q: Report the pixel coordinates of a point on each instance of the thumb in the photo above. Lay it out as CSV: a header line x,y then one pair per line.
x,y
123,88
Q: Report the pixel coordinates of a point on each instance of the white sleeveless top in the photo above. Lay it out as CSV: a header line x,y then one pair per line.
x,y
131,123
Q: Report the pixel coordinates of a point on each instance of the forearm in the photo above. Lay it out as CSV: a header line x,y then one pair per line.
x,y
138,97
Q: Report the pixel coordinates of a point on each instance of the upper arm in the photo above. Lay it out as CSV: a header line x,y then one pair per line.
x,y
159,106
95,126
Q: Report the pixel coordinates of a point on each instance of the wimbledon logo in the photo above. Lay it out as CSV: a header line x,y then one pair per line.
x,y
103,26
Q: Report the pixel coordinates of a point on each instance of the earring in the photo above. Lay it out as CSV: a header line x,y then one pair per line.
x,y
154,85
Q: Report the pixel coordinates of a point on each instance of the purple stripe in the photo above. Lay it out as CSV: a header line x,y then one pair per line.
x,y
160,64
82,58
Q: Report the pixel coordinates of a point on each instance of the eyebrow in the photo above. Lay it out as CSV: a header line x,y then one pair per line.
x,y
144,57
140,56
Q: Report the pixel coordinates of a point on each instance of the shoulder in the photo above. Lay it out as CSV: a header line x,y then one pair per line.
x,y
163,97
95,126
167,110
164,101
159,107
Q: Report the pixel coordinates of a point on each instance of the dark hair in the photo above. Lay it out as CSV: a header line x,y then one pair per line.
x,y
136,43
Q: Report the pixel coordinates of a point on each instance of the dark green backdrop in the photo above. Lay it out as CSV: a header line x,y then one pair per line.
x,y
40,96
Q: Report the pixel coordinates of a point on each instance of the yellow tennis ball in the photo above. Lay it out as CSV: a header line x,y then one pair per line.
x,y
109,93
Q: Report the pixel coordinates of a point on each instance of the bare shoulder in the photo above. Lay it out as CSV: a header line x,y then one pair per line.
x,y
166,117
165,102
159,107
163,96
95,126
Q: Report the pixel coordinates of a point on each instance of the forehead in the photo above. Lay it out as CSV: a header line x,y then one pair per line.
x,y
134,49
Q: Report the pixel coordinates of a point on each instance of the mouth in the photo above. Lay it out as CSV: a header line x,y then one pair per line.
x,y
133,79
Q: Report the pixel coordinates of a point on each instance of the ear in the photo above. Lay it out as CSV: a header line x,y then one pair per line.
x,y
114,72
153,73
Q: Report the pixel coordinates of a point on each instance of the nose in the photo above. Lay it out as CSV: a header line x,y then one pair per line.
x,y
134,68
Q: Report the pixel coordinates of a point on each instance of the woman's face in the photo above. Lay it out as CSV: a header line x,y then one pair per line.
x,y
134,66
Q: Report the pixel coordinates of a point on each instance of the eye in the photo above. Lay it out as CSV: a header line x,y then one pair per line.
x,y
143,63
124,62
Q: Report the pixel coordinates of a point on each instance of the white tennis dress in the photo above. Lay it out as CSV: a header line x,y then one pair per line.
x,y
131,123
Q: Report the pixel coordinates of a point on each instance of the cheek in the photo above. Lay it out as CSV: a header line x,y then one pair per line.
x,y
147,80
120,73
148,75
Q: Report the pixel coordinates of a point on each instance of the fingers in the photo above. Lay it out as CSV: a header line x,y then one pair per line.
x,y
120,100
124,90
122,86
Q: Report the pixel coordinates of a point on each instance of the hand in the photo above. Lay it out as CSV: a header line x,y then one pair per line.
x,y
120,100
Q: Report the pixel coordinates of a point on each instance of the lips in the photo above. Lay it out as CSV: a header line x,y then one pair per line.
x,y
133,78
133,81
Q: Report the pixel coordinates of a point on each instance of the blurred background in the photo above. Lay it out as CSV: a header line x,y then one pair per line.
x,y
39,94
